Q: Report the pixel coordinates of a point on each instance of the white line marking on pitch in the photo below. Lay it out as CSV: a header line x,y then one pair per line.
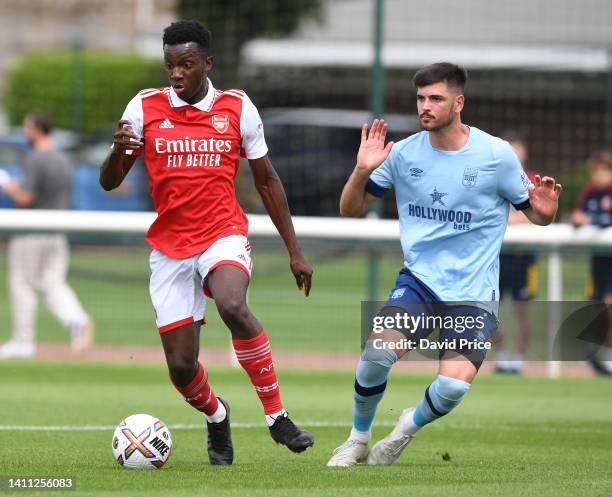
x,y
320,424
235,424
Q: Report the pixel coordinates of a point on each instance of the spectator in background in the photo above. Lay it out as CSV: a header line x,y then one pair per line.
x,y
39,262
595,208
518,274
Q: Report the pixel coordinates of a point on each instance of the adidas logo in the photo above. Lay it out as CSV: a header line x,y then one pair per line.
x,y
166,124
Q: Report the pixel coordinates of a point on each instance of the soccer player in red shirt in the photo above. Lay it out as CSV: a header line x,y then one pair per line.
x,y
192,136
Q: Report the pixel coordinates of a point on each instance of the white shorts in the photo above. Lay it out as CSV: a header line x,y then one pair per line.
x,y
178,287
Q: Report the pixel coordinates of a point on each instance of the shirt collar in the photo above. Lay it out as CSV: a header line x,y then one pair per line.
x,y
203,104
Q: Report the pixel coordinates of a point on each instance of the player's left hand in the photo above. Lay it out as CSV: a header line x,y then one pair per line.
x,y
544,196
302,270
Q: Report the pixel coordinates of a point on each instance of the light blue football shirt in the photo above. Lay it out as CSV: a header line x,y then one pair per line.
x,y
453,210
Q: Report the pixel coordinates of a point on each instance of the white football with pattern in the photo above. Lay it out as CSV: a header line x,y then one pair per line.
x,y
142,441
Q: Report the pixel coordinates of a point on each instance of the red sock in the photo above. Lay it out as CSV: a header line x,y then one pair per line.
x,y
199,394
255,357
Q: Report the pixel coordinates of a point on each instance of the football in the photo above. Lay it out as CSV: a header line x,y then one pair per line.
x,y
142,441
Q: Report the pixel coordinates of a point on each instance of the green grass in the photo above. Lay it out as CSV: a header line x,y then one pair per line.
x,y
113,286
511,437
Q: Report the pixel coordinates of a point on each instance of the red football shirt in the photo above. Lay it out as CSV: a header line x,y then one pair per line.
x,y
192,153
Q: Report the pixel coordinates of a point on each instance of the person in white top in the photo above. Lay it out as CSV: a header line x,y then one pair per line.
x,y
38,263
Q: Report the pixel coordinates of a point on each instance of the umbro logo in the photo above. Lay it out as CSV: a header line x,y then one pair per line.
x,y
416,172
166,124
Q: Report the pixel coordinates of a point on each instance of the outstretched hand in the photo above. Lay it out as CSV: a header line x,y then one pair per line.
x,y
544,196
302,270
372,150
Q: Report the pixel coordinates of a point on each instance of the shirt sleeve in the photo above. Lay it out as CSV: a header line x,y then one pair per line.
x,y
512,181
382,178
31,175
253,144
133,113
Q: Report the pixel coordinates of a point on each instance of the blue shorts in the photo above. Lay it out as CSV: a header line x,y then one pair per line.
x,y
463,327
601,274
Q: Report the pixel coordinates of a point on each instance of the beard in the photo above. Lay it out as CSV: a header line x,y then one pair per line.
x,y
440,125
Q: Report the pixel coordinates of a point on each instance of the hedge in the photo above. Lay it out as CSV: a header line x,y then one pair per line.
x,y
85,91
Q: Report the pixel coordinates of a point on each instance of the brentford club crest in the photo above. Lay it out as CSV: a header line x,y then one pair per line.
x,y
220,122
470,175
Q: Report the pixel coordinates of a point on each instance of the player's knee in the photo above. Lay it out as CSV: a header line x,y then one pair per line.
x,y
373,368
232,309
450,391
182,368
381,356
441,397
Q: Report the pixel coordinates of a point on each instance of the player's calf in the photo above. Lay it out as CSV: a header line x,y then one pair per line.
x,y
182,366
441,397
255,356
199,394
370,384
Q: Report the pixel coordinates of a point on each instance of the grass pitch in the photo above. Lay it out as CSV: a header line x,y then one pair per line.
x,y
511,437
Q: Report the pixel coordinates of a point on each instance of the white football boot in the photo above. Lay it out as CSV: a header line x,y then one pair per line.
x,y
387,450
82,336
14,349
350,453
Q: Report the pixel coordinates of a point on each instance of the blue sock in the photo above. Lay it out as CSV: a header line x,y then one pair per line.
x,y
441,397
370,383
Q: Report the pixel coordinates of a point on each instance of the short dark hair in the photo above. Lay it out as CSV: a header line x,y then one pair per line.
x,y
41,121
188,31
441,71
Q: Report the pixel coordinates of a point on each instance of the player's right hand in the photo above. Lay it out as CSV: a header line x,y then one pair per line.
x,y
5,178
125,138
372,150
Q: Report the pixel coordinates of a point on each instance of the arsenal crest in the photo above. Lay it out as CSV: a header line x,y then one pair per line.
x,y
220,122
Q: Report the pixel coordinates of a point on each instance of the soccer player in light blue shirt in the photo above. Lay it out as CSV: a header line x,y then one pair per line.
x,y
454,185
